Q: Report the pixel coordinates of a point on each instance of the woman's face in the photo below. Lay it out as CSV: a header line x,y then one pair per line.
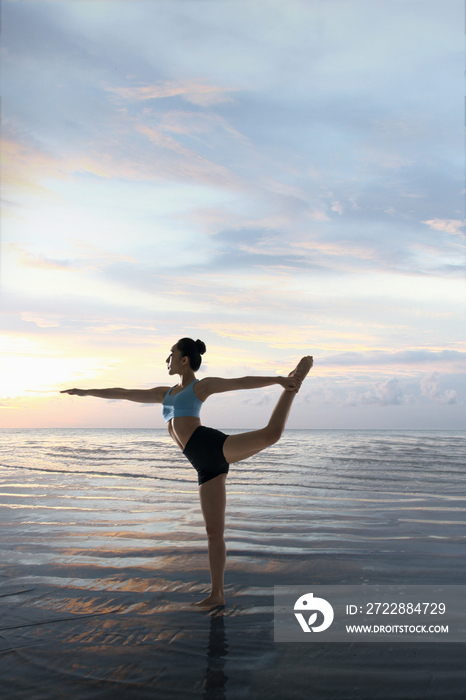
x,y
175,362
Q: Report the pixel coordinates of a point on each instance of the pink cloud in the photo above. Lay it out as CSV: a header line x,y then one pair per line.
x,y
195,92
453,226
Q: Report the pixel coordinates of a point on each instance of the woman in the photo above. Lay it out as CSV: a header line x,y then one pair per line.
x,y
210,451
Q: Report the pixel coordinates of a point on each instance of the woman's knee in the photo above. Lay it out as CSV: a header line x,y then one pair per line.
x,y
215,533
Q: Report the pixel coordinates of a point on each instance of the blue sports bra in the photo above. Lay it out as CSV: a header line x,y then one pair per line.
x,y
184,403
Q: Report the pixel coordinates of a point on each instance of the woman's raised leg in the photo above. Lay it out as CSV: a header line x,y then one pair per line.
x,y
244,445
212,495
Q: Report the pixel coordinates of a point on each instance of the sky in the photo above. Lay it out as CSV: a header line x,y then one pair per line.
x,y
274,177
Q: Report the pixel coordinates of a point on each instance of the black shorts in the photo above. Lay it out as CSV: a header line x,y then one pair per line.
x,y
204,450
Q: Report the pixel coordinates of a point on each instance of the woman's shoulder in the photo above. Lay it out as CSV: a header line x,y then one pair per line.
x,y
204,387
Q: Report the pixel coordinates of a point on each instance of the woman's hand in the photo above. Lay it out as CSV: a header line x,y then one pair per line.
x,y
75,392
290,383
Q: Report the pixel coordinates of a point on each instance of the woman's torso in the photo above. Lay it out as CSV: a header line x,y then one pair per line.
x,y
180,428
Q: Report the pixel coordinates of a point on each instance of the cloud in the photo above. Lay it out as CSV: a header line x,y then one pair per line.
x,y
196,92
163,141
23,165
403,357
430,388
453,226
89,258
46,321
336,206
388,393
251,247
195,124
264,400
38,260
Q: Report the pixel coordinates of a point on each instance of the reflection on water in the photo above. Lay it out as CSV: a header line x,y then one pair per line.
x,y
215,677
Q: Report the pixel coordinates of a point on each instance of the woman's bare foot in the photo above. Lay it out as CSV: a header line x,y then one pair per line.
x,y
210,601
302,368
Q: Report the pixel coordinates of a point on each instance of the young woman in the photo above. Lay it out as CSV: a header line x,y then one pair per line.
x,y
210,451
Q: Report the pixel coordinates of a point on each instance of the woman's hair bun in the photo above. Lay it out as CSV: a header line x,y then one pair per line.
x,y
200,347
193,349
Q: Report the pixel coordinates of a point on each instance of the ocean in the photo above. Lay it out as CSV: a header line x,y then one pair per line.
x,y
103,550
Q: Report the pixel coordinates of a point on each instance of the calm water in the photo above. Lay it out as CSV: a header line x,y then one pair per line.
x,y
336,489
103,549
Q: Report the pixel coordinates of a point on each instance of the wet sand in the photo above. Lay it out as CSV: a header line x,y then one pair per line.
x,y
88,631
92,623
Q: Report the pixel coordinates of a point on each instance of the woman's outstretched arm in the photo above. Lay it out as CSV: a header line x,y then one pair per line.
x,y
216,385
154,395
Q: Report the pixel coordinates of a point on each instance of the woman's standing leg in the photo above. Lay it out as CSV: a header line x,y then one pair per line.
x,y
244,445
212,495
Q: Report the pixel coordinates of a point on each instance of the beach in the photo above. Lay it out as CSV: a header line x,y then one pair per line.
x,y
103,553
